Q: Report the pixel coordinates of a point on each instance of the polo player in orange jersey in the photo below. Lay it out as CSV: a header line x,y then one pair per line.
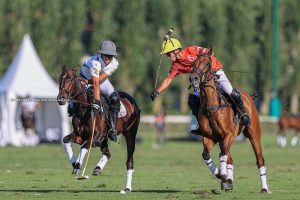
x,y
183,62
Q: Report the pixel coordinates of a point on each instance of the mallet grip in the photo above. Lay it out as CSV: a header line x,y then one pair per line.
x,y
168,35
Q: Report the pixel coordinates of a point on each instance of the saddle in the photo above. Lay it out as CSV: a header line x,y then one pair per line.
x,y
228,101
224,100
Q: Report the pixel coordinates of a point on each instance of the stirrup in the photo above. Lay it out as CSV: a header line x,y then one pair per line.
x,y
246,119
196,132
112,135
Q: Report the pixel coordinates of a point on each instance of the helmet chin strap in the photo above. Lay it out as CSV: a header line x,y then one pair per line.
x,y
176,53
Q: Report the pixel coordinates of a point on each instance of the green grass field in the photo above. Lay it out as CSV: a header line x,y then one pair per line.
x,y
176,171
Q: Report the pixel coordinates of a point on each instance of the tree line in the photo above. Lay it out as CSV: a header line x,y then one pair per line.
x,y
239,31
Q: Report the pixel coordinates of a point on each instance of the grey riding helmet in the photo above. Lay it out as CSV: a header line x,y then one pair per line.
x,y
108,48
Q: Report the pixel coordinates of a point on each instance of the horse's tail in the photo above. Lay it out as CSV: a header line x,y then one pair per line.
x,y
255,94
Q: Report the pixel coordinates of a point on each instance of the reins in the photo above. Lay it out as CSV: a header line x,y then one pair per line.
x,y
203,84
78,93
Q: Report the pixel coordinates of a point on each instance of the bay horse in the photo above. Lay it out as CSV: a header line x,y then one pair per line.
x,y
74,88
218,123
285,123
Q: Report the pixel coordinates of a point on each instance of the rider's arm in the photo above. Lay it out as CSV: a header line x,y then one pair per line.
x,y
103,76
95,69
164,85
96,87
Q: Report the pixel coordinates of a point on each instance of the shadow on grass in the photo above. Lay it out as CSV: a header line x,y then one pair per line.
x,y
78,191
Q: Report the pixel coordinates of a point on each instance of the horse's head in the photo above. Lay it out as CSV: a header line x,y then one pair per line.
x,y
202,72
66,84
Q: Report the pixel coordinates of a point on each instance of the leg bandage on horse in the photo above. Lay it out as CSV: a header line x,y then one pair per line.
x,y
230,172
263,177
129,179
214,170
70,153
223,164
103,161
81,155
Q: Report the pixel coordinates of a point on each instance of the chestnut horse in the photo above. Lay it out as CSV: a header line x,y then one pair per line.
x,y
285,123
219,123
74,88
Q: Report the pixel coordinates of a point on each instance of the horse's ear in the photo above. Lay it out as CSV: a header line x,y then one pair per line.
x,y
74,70
64,68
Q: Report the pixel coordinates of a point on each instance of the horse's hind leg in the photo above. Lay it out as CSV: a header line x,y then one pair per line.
x,y
104,159
294,140
130,136
254,135
281,138
208,145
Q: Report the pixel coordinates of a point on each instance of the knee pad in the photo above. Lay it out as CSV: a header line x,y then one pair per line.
x,y
236,95
114,101
90,91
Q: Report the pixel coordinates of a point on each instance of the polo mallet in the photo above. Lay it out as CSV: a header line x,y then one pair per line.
x,y
83,177
167,36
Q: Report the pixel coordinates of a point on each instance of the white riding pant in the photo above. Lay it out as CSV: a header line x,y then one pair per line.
x,y
224,82
107,88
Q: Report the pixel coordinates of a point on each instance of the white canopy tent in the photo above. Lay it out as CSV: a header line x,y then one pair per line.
x,y
27,76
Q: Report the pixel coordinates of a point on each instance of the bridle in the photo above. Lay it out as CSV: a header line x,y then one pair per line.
x,y
78,87
200,79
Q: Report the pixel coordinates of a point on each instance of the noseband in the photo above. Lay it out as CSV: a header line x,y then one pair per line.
x,y
68,91
199,78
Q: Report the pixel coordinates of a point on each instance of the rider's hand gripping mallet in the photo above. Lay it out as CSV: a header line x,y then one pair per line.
x,y
167,36
83,177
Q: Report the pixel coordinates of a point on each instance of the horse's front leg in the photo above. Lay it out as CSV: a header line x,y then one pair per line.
x,y
230,170
71,155
225,148
104,159
81,155
208,145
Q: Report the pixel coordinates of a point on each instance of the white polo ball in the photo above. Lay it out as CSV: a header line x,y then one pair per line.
x,y
122,192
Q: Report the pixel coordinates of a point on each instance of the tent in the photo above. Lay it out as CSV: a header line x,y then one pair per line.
x,y
27,76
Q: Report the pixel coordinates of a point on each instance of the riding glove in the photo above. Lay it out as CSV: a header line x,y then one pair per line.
x,y
154,94
96,105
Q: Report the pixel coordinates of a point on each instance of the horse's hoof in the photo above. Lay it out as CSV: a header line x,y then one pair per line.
x,y
127,190
96,171
76,171
264,191
230,185
76,168
218,175
226,186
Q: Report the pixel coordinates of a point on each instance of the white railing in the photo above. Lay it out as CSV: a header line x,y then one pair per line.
x,y
187,119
